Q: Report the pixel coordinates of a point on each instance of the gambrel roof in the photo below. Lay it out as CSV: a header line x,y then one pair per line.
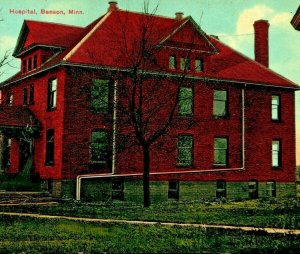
x,y
104,42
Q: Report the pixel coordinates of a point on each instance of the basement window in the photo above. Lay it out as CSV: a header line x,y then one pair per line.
x,y
271,189
220,151
173,191
100,96
221,189
185,150
253,189
49,147
185,103
99,146
117,189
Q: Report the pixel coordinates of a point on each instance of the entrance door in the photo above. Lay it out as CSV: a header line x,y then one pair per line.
x,y
25,157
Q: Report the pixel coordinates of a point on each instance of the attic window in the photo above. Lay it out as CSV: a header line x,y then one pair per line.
x,y
198,65
29,64
172,62
185,64
35,62
24,66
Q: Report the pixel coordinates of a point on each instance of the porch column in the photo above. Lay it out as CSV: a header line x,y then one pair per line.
x,y
1,153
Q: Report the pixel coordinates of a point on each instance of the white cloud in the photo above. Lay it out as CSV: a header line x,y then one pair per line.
x,y
248,16
282,19
7,43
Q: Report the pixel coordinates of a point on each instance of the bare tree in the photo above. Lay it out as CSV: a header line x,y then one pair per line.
x,y
147,94
5,57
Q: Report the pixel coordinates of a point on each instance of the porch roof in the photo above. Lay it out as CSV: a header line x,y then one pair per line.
x,y
17,117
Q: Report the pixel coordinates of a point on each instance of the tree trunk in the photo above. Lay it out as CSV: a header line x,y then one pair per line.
x,y
146,151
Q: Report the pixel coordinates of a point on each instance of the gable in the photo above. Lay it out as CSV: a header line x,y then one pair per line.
x,y
37,33
189,35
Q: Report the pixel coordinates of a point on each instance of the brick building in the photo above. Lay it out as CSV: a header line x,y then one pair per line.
x,y
61,115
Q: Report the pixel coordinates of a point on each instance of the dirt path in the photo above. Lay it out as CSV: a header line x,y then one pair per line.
x,y
169,224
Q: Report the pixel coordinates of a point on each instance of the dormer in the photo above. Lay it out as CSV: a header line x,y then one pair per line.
x,y
39,41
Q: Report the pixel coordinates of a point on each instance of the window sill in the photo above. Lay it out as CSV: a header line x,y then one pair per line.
x,y
276,121
51,109
185,115
277,168
178,165
226,117
220,166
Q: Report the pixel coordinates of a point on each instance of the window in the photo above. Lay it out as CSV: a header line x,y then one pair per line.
x,y
276,153
24,66
34,62
185,150
29,64
10,98
253,189
198,65
275,107
6,151
220,104
99,146
25,96
173,191
220,151
49,147
117,189
221,189
185,64
100,96
31,94
172,62
185,104
271,189
52,93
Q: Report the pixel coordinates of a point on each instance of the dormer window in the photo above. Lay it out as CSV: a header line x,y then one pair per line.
x,y
172,62
198,65
10,98
185,64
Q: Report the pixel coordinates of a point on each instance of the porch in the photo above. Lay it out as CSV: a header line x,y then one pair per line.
x,y
18,128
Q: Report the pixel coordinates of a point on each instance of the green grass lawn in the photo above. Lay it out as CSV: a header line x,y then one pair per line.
x,y
28,235
277,213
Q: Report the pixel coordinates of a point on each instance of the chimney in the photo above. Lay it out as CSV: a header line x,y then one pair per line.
x,y
179,16
261,45
113,6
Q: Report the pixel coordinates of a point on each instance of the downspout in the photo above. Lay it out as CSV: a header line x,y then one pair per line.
x,y
114,144
80,177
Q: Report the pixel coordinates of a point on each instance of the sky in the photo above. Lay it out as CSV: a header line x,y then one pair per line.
x,y
231,20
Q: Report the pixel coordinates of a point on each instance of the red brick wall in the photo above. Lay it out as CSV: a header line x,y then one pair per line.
x,y
48,120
